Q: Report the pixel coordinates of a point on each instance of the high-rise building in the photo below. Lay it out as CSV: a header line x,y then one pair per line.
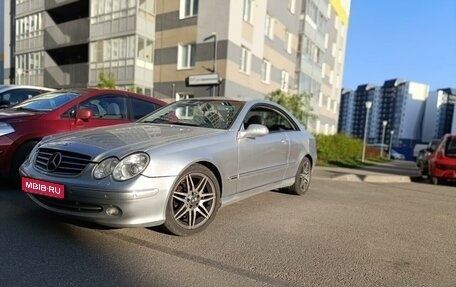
x,y
440,115
2,37
237,48
183,48
396,113
68,43
323,37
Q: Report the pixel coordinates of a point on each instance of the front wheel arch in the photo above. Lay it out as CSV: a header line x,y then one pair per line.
x,y
20,155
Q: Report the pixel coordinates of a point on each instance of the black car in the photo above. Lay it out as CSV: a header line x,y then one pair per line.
x,y
423,156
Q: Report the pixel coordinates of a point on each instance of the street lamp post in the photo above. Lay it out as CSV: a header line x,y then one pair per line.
x,y
384,123
391,144
214,57
368,106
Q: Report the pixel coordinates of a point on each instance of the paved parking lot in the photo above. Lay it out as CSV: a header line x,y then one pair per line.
x,y
338,234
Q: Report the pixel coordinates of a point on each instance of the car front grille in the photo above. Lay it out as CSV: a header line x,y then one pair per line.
x,y
61,162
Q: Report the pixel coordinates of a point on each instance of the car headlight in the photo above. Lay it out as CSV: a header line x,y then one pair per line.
x,y
130,166
105,168
124,169
5,129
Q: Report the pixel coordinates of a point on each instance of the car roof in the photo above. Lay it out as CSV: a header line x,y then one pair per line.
x,y
14,87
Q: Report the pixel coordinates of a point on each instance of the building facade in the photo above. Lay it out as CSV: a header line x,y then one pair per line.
x,y
68,43
396,114
1,41
440,115
175,49
323,36
236,48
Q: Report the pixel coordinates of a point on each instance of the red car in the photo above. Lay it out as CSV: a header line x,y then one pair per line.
x,y
442,162
24,125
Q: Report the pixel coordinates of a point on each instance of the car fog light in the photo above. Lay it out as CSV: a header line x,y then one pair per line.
x,y
113,211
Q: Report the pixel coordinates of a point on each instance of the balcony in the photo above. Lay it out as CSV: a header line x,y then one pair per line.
x,y
51,4
67,76
70,33
28,7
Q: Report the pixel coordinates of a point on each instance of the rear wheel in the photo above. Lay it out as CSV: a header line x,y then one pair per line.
x,y
302,178
193,202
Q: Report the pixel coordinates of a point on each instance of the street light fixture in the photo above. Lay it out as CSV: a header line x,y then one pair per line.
x,y
368,107
384,123
391,143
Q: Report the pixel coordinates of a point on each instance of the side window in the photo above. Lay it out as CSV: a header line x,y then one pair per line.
x,y
17,96
104,107
272,118
141,108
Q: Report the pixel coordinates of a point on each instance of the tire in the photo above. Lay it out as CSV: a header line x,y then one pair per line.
x,y
436,181
193,202
302,178
19,157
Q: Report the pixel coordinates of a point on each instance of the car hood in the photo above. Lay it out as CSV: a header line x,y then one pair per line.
x,y
120,140
13,115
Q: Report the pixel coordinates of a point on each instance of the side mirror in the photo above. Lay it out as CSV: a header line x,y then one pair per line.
x,y
84,114
253,131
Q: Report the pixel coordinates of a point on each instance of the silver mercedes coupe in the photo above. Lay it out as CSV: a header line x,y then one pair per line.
x,y
175,167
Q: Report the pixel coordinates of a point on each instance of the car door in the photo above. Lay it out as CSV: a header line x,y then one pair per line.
x,y
107,109
262,160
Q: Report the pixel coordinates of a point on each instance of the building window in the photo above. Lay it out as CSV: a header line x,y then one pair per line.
x,y
269,27
288,41
186,55
266,71
188,8
247,11
145,49
29,26
245,60
284,81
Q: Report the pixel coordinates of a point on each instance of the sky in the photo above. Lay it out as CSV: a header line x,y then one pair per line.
x,y
414,40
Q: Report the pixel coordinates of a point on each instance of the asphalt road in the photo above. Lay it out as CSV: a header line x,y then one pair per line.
x,y
338,234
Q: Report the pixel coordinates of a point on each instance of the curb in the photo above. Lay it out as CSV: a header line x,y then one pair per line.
x,y
372,178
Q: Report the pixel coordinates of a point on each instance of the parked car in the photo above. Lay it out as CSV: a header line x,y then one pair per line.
x,y
14,94
24,125
442,162
423,156
396,155
174,167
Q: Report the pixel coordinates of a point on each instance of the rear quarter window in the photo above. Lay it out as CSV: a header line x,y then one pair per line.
x,y
141,108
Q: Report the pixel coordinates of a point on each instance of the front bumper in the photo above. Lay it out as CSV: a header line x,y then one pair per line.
x,y
142,200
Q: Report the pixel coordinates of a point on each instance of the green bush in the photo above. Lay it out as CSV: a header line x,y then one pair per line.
x,y
338,149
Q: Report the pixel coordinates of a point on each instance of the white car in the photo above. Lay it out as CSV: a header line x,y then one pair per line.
x,y
396,155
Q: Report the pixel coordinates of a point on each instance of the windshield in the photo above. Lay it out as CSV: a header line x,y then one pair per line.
x,y
46,102
218,114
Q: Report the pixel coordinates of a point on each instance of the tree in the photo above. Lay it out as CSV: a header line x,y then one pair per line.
x,y
298,104
106,80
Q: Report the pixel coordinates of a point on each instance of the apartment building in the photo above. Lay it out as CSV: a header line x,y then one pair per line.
x,y
2,36
68,43
236,48
175,49
396,113
440,115
321,63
